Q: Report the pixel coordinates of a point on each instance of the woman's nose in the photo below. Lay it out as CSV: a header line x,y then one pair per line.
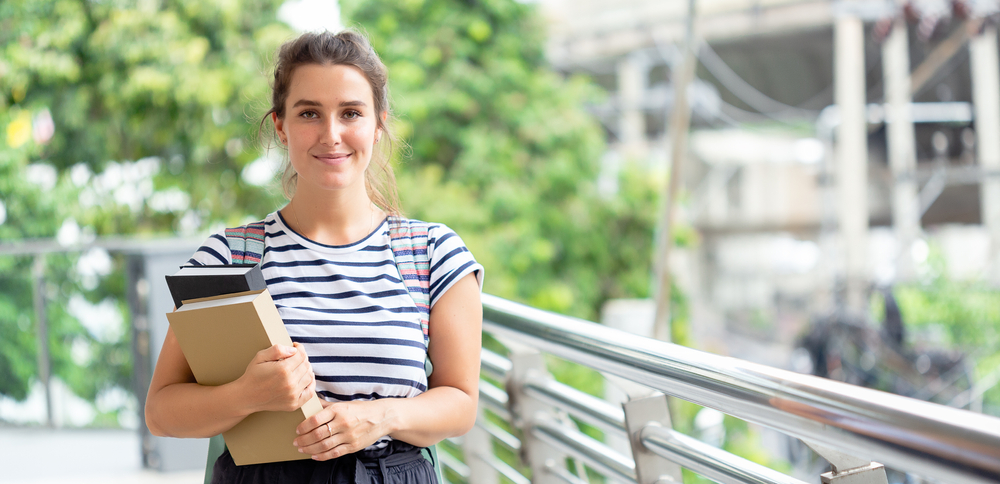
x,y
331,133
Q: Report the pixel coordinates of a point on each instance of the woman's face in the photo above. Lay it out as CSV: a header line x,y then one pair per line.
x,y
330,126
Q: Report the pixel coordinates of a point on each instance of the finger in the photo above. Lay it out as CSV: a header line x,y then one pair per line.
x,y
327,448
308,390
313,441
277,353
301,351
310,384
333,453
311,423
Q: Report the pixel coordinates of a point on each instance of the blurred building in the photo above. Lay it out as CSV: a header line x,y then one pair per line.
x,y
831,144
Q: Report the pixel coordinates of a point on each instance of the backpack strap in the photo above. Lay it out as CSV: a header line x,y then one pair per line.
x,y
409,250
246,243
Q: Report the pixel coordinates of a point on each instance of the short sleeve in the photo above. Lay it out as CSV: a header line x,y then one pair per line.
x,y
450,261
214,251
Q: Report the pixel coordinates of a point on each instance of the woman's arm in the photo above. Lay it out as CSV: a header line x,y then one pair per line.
x,y
278,378
447,409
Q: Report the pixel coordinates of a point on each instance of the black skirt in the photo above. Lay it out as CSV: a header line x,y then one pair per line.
x,y
398,463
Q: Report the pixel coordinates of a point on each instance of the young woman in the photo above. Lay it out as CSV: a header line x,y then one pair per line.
x,y
330,269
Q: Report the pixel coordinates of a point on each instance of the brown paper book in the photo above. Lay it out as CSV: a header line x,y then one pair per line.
x,y
219,337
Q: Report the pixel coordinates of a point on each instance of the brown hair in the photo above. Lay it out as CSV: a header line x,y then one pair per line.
x,y
347,48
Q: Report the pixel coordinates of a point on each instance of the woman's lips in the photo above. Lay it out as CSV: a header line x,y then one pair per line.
x,y
332,157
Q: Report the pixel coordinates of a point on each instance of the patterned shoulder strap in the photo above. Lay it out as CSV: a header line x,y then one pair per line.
x,y
246,243
409,250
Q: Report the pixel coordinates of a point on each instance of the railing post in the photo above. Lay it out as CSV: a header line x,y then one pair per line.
x,y
649,467
475,445
42,333
538,455
848,469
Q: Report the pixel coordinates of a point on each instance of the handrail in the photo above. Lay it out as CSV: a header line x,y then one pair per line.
x,y
504,437
584,406
711,462
457,466
921,437
581,445
493,364
503,468
494,399
704,459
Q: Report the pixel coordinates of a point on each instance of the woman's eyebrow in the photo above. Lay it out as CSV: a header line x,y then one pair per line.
x,y
308,102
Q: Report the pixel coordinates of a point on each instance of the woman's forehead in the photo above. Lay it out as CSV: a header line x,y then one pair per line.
x,y
333,83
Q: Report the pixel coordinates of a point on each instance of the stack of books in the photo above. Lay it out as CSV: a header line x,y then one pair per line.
x,y
225,316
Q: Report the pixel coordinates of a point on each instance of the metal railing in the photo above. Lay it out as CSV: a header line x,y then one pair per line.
x,y
848,425
857,429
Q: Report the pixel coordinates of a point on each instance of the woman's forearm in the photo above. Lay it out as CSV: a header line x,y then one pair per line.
x,y
431,417
278,378
193,410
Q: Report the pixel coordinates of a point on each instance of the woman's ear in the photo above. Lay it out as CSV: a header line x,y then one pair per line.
x,y
378,129
279,127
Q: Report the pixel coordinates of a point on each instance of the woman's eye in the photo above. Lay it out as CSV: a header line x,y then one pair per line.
x,y
309,114
352,114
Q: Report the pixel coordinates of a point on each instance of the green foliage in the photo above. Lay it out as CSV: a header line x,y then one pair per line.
x,y
170,82
158,100
503,151
959,315
107,106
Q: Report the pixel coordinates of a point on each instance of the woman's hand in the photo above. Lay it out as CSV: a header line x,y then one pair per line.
x,y
344,428
446,409
279,378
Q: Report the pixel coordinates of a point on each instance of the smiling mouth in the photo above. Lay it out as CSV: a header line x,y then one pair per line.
x,y
333,157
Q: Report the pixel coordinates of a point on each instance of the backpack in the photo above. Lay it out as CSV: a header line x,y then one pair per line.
x,y
409,252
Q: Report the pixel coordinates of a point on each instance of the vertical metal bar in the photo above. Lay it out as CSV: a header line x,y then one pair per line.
x,y
477,443
650,468
852,153
42,333
534,451
902,146
986,98
680,124
137,296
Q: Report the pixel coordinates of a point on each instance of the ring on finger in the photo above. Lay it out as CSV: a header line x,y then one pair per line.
x,y
328,429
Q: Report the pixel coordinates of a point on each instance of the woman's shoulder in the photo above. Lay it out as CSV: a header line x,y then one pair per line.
x,y
216,248
435,233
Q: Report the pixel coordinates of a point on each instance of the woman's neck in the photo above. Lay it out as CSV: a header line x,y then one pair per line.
x,y
332,218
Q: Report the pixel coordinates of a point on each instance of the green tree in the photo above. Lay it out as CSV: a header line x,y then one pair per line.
x,y
154,104
502,150
131,117
961,315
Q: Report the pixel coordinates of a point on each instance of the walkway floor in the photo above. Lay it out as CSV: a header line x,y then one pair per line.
x,y
78,456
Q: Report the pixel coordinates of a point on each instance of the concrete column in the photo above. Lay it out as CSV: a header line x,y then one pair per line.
x,y
852,155
986,99
632,72
902,146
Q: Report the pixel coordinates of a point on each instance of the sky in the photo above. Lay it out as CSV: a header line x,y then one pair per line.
x,y
311,15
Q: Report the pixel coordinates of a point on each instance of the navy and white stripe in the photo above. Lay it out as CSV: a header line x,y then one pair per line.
x,y
349,307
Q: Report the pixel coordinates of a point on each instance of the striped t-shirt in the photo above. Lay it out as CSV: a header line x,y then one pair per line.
x,y
349,307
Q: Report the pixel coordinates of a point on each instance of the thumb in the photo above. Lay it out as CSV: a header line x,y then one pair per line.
x,y
277,352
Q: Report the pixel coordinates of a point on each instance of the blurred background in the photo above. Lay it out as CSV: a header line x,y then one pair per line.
x,y
808,184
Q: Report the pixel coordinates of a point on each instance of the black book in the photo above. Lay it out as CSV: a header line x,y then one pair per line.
x,y
192,282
